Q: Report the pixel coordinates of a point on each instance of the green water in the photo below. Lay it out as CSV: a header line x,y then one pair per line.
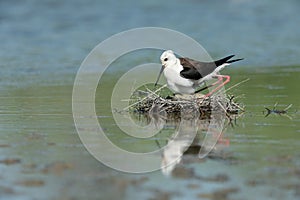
x,y
42,155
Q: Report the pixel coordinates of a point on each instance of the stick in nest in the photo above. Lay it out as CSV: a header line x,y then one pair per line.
x,y
126,108
174,106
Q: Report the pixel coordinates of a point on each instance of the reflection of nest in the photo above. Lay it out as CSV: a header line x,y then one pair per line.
x,y
150,102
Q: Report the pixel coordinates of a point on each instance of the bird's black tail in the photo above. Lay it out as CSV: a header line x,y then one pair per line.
x,y
231,61
226,60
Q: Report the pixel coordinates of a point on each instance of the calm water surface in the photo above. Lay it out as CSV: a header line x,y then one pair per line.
x,y
41,152
42,46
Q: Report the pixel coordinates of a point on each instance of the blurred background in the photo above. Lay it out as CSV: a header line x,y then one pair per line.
x,y
53,37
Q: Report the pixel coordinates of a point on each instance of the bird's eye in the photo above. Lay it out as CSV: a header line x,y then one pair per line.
x,y
166,59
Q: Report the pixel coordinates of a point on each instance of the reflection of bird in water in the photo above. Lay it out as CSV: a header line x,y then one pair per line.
x,y
187,140
183,138
193,134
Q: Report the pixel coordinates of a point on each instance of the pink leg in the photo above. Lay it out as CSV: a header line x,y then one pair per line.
x,y
215,83
220,78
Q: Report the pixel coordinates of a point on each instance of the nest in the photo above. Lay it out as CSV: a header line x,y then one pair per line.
x,y
144,102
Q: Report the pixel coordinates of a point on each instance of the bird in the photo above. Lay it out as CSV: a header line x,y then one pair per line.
x,y
184,75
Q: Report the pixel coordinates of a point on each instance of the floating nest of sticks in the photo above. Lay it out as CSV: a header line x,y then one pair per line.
x,y
144,102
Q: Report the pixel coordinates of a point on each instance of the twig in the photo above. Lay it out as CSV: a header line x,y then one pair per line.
x,y
288,107
127,107
238,106
237,84
222,107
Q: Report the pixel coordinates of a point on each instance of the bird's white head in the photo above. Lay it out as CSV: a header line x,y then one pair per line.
x,y
168,58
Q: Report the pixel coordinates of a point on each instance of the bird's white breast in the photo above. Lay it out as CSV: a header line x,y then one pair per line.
x,y
176,82
172,74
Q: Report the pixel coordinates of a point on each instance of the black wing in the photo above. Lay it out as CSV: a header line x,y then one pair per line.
x,y
189,71
195,70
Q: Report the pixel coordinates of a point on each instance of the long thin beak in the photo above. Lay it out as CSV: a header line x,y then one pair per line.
x,y
161,70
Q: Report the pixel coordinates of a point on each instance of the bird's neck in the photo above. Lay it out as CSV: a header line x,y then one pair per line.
x,y
176,66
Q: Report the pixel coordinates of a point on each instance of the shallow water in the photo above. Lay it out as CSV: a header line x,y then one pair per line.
x,y
42,154
42,46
